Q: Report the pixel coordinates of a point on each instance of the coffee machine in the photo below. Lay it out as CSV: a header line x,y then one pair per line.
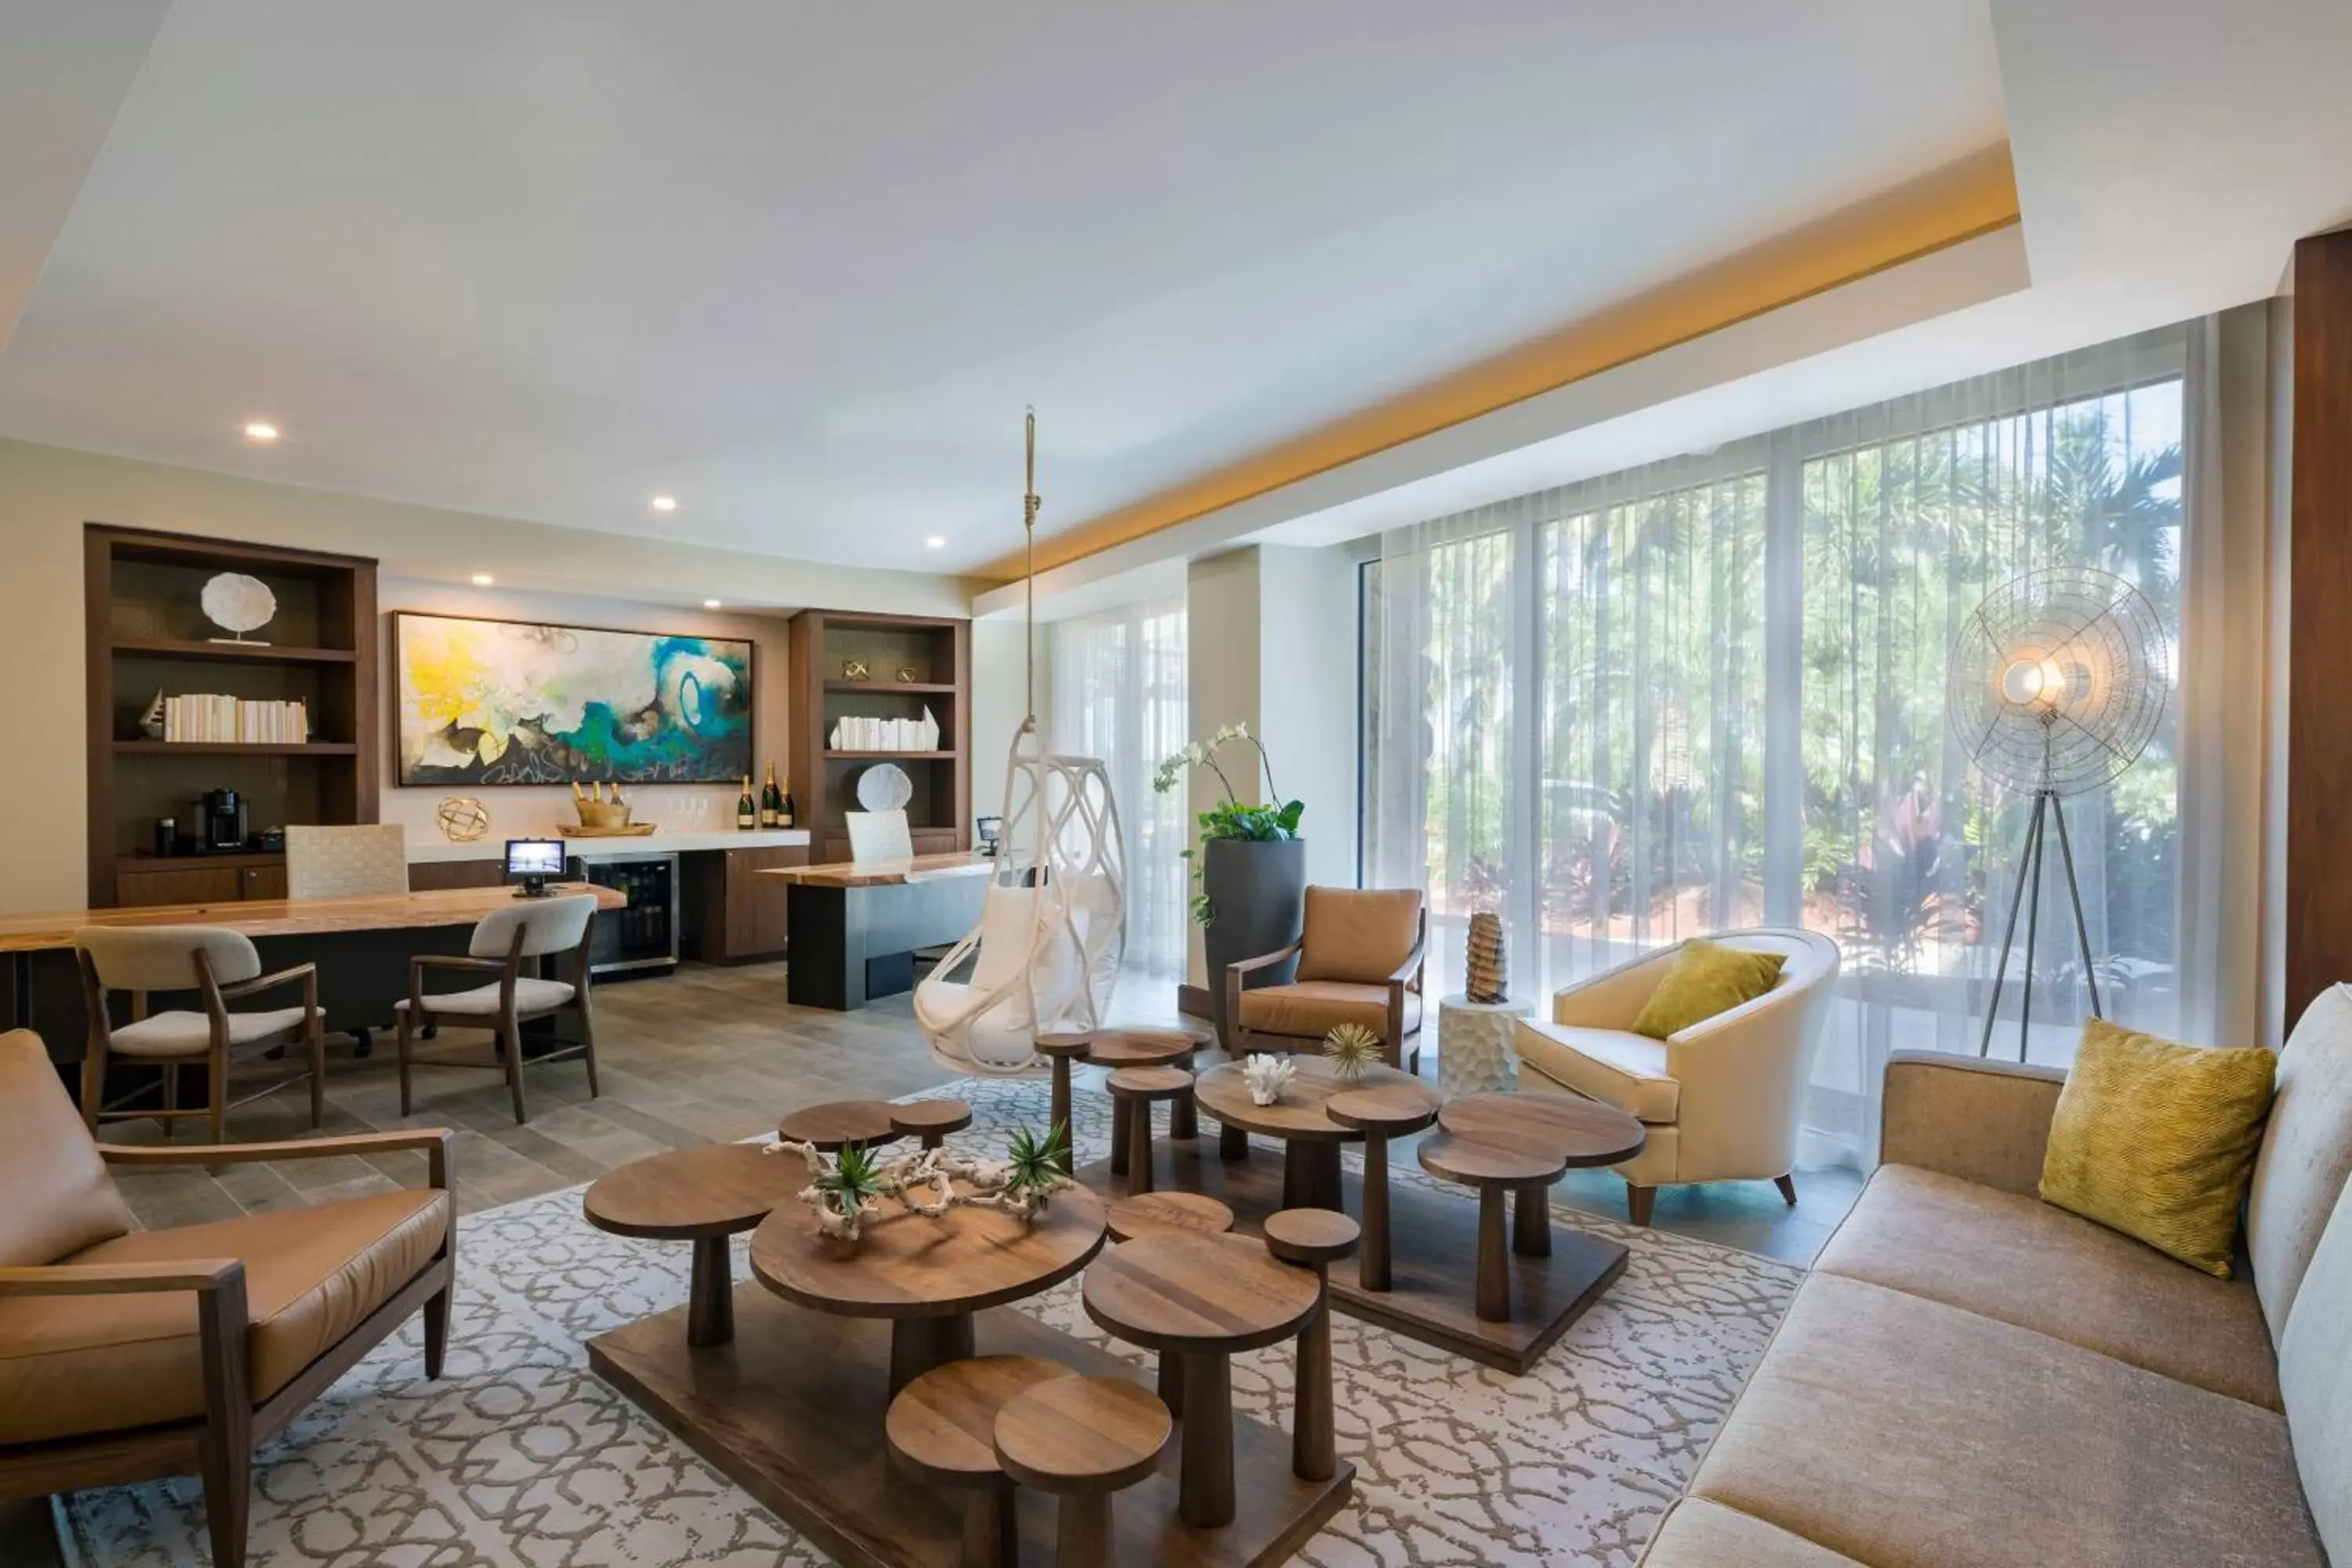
x,y
220,822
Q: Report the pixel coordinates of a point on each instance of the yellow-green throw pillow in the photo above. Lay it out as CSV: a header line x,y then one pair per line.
x,y
2158,1140
1705,979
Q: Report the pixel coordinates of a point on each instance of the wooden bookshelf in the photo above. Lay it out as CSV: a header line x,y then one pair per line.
x,y
937,652
146,633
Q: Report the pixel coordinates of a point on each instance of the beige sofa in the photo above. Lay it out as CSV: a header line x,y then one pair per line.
x,y
1972,1378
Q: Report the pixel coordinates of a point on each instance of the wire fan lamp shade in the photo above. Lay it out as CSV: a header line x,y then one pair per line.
x,y
2058,683
2059,678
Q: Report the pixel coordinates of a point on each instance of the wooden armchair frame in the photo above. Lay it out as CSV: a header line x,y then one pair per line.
x,y
219,1444
216,998
1407,978
505,1028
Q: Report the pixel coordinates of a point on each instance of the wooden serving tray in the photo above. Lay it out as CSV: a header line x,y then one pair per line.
x,y
633,830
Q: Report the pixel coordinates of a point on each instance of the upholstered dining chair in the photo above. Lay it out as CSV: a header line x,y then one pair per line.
x,y
1722,1099
1361,953
220,967
346,860
127,1355
502,942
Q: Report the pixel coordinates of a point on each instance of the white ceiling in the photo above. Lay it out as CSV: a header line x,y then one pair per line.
x,y
801,264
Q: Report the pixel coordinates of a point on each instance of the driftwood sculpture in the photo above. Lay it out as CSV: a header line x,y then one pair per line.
x,y
857,1190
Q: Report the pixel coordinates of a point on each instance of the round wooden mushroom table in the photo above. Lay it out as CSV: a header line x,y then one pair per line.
x,y
1310,1138
1148,1212
1115,1048
927,1276
702,1196
1313,1238
930,1120
836,1124
942,1428
1062,1047
1381,1114
1205,1297
1584,1132
1081,1438
1493,1169
1132,1092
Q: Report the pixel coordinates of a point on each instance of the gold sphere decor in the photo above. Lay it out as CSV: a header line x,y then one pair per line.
x,y
1486,969
462,819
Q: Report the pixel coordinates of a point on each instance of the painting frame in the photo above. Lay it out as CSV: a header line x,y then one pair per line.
x,y
725,762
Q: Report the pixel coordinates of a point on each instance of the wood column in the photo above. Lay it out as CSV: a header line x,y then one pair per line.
x,y
2319,719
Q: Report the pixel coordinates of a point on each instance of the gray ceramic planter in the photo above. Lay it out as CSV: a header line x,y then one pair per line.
x,y
1257,898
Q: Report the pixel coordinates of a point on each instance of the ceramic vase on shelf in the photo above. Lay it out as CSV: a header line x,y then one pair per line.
x,y
1257,904
1485,971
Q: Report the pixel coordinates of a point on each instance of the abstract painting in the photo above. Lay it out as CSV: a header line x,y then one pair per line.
x,y
517,702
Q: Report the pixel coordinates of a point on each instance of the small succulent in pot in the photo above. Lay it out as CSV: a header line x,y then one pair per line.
x,y
850,1184
1035,1164
1353,1050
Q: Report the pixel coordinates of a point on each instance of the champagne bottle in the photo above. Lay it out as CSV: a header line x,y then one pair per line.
x,y
785,813
746,816
771,801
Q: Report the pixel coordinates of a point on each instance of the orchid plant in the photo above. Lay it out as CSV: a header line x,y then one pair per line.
x,y
1229,818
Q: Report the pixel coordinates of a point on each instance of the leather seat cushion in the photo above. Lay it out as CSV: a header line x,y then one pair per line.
x,y
531,995
72,1364
1614,1067
1317,1007
1894,1429
183,1033
2029,1263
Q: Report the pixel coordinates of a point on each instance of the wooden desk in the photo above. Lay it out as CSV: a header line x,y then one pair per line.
x,y
362,946
856,924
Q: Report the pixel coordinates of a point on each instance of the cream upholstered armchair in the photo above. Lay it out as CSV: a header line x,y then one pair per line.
x,y
1359,961
1722,1099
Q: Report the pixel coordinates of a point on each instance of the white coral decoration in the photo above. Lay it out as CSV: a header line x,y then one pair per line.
x,y
903,1180
1268,1076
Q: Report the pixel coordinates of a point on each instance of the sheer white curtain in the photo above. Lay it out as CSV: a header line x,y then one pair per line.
x,y
1119,694
1710,692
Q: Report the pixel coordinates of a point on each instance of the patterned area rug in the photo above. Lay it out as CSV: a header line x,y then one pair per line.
x,y
520,1457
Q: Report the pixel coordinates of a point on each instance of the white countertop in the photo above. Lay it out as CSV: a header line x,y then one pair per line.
x,y
421,850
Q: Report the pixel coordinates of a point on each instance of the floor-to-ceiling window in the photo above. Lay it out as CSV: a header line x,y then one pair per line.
x,y
1711,693
1119,685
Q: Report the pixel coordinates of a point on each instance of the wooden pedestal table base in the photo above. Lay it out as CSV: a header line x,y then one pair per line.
x,y
927,1276
1148,1212
942,1428
1206,1298
1117,1048
702,1196
1381,1114
1582,1133
1082,1439
1132,1092
1062,1049
1313,1239
792,1411
1310,1139
1493,1169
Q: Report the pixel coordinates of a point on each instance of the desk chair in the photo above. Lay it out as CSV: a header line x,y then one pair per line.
x,y
220,966
370,859
879,836
531,929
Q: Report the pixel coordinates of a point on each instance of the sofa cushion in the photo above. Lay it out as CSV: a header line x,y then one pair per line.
x,y
2306,1153
1315,1007
1895,1430
1626,1071
1702,1534
1360,935
2315,1371
58,1197
94,1363
2024,1262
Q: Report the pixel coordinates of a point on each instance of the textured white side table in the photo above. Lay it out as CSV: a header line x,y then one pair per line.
x,y
1476,1053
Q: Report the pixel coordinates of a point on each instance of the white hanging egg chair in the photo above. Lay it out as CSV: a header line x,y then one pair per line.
x,y
1053,926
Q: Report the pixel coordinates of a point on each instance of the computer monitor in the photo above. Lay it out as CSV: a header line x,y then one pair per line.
x,y
532,861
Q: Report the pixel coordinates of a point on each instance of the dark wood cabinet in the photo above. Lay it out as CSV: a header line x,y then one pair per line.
x,y
848,666
433,876
734,915
191,885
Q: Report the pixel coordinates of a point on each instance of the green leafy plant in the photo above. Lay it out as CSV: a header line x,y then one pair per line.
x,y
1228,818
1353,1050
851,1180
1034,1164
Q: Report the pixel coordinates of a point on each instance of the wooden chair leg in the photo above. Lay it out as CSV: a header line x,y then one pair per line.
x,y
224,1451
588,1041
1640,1202
219,1075
436,1332
171,1071
1787,1185
317,1074
510,1044
93,1085
405,1097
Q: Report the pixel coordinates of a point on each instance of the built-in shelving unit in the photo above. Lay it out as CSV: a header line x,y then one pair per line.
x,y
147,634
937,654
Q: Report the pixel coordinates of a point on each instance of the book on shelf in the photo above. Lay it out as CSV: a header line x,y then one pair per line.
x,y
863,733
209,718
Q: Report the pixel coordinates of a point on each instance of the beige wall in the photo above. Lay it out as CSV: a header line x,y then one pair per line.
x,y
426,555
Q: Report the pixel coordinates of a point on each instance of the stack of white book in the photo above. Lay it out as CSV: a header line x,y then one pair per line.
x,y
203,717
857,733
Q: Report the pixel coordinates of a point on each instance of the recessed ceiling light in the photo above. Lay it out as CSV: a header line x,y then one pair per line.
x,y
483,579
710,604
261,432
936,542
665,503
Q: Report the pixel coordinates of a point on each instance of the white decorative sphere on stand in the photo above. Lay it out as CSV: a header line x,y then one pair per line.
x,y
1478,1051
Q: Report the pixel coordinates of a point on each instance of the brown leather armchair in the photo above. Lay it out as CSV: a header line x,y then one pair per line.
x,y
1360,953
126,1355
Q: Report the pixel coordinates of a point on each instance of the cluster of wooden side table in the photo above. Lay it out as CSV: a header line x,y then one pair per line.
x,y
912,1447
